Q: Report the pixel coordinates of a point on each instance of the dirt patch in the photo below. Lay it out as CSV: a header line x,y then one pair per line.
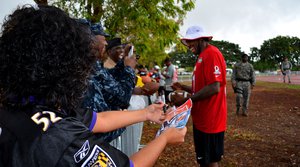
x,y
269,136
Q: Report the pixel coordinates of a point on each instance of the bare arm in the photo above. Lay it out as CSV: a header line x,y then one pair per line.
x,y
137,91
187,88
207,91
147,156
108,121
177,86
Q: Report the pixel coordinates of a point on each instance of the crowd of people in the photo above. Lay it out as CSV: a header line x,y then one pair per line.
x,y
54,88
65,91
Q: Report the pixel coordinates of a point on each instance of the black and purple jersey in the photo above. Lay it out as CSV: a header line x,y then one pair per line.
x,y
47,138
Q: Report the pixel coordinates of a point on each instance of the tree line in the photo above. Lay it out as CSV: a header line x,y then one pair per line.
x,y
153,26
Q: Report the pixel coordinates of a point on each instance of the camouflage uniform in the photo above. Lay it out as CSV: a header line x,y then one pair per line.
x,y
108,90
286,67
244,77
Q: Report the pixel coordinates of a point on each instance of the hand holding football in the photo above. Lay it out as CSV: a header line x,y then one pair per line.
x,y
150,88
178,97
176,86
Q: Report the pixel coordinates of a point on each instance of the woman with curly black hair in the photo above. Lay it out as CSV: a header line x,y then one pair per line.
x,y
45,60
42,55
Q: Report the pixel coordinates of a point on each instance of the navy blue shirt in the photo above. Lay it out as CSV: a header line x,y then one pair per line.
x,y
109,89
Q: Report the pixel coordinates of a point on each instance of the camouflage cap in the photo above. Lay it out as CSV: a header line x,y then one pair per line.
x,y
96,28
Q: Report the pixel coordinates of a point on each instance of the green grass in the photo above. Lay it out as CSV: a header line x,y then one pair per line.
x,y
277,85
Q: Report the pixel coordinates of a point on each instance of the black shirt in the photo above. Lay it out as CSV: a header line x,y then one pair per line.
x,y
47,138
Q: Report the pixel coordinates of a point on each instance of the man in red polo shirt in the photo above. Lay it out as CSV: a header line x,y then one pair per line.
x,y
208,95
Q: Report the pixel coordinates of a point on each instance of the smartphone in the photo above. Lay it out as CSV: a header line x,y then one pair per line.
x,y
130,54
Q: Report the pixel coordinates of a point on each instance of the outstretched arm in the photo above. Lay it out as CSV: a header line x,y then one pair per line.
x,y
108,121
206,91
147,156
179,86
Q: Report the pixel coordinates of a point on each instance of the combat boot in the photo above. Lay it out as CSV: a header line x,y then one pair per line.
x,y
245,113
237,111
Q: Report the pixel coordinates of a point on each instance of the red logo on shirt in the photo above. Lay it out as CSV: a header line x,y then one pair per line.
x,y
217,71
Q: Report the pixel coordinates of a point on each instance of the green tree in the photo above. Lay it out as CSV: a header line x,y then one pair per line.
x,y
187,59
273,51
254,55
151,25
231,52
254,58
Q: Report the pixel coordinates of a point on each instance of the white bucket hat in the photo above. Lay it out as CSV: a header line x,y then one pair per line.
x,y
193,33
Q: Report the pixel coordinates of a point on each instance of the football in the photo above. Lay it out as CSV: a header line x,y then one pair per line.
x,y
150,88
178,94
146,79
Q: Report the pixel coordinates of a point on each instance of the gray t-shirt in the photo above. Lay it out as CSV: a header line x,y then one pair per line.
x,y
170,73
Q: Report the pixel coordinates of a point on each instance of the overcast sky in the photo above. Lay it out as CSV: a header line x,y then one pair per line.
x,y
244,22
8,6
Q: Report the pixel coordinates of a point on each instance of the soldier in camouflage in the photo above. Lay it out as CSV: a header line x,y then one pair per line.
x,y
286,67
243,81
